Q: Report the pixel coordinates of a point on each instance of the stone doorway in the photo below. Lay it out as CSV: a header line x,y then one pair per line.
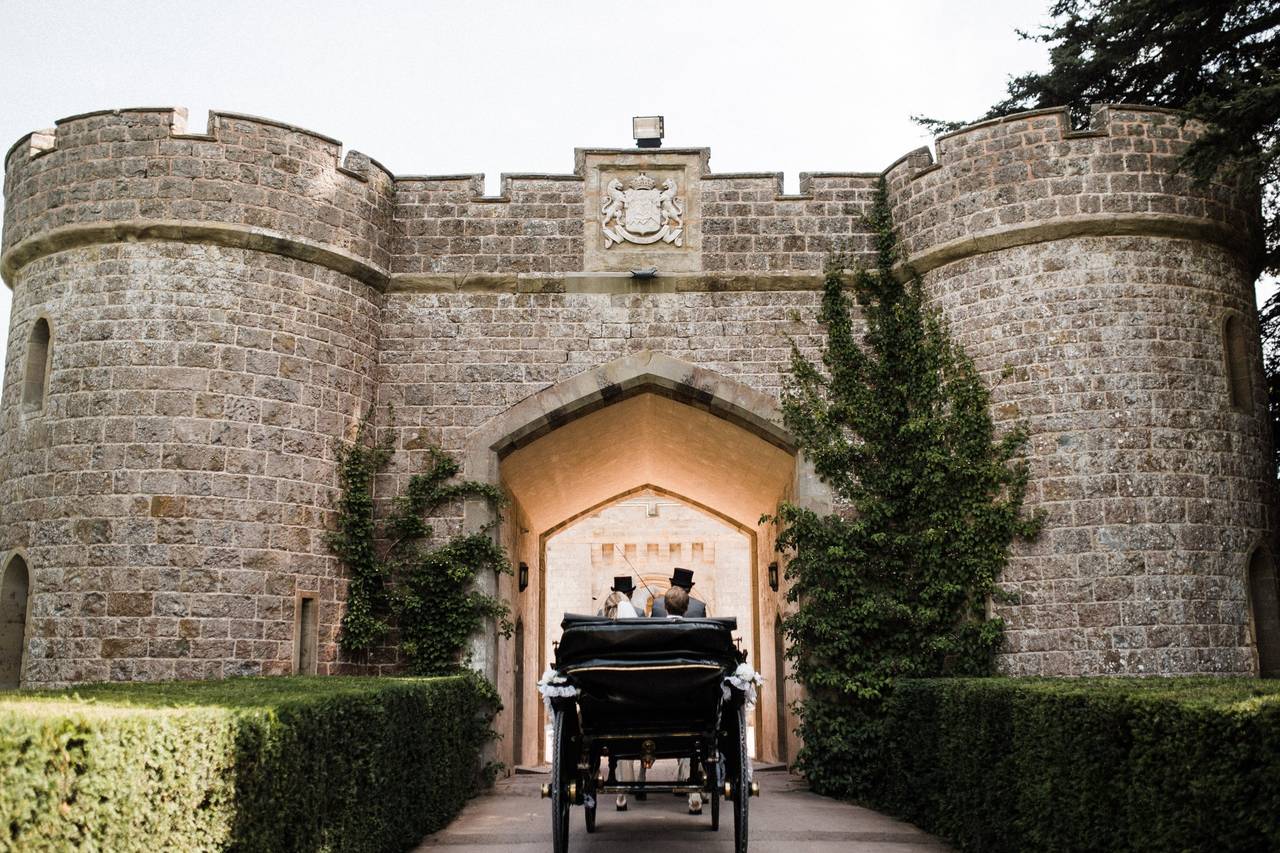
x,y
643,428
15,588
780,685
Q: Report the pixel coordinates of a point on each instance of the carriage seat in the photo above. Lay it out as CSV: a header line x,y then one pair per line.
x,y
646,672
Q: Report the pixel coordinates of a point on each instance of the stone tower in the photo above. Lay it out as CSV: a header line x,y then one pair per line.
x,y
198,319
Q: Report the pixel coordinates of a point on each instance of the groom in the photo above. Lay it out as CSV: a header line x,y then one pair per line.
x,y
683,578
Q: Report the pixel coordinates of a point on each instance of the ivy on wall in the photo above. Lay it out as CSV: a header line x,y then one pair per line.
x,y
403,579
898,424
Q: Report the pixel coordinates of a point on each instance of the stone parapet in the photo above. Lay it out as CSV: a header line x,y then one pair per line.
x,y
247,182
750,226
446,225
254,183
1029,177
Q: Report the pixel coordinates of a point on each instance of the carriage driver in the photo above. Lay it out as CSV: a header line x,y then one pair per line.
x,y
682,578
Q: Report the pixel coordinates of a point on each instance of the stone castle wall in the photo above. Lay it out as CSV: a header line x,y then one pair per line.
x,y
1096,313
175,489
225,306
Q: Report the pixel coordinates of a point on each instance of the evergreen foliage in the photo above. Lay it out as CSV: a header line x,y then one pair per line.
x,y
1214,60
437,606
1125,765
400,576
898,424
364,624
250,764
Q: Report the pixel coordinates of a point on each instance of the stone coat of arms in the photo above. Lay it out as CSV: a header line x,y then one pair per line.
x,y
642,213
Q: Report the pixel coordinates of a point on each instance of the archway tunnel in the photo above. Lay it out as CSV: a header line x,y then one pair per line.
x,y
645,481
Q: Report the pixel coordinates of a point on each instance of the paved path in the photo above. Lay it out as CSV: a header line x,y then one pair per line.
x,y
785,817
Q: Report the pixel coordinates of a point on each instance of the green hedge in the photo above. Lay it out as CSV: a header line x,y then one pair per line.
x,y
254,764
1087,764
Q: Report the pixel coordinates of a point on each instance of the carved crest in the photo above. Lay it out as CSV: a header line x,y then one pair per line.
x,y
642,213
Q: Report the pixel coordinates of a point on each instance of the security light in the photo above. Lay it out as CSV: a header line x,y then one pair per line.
x,y
647,131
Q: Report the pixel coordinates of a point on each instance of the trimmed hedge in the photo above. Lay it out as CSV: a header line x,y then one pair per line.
x,y
280,764
1087,764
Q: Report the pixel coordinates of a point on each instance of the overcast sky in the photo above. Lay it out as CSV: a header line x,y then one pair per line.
x,y
494,85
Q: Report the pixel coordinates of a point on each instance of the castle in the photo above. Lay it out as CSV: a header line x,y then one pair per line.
x,y
199,319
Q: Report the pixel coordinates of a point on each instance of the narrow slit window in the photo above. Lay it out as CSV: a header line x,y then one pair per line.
x,y
37,366
1237,363
308,636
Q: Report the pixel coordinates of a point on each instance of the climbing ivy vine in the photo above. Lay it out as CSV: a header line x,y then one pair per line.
x,y
404,582
897,422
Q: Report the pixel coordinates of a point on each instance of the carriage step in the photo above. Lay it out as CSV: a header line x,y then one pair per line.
x,y
535,770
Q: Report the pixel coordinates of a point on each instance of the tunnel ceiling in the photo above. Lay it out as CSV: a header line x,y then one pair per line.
x,y
647,439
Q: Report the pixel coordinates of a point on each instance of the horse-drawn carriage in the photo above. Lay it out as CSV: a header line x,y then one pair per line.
x,y
642,690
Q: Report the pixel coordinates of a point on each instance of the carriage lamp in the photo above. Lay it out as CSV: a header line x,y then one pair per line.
x,y
524,576
647,131
773,577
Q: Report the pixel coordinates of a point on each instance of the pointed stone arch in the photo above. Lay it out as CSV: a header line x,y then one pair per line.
x,y
631,383
748,532
637,373
15,594
648,487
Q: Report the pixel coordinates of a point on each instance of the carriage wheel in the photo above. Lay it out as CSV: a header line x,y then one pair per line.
x,y
713,772
741,786
589,789
715,808
589,806
559,787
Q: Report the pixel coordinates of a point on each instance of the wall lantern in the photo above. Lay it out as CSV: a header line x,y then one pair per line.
x,y
773,576
524,576
647,131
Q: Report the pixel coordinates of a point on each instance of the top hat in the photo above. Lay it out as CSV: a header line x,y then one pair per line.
x,y
623,584
682,577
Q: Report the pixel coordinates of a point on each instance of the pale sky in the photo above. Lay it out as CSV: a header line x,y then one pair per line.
x,y
496,85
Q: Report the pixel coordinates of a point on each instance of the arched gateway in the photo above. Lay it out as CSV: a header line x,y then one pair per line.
x,y
645,422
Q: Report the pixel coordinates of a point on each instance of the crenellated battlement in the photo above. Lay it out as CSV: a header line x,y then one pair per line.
x,y
258,183
41,142
1029,177
249,182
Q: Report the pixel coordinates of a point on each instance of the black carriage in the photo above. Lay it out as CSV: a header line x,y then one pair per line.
x,y
641,690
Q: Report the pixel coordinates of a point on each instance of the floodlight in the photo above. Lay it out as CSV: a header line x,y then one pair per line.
x,y
647,131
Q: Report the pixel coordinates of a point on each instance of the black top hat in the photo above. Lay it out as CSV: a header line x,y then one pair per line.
x,y
682,577
623,584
